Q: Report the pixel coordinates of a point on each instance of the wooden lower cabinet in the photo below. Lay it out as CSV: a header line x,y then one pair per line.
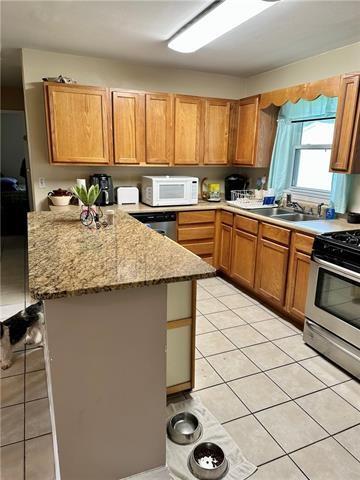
x,y
298,275
196,232
297,285
243,257
225,247
271,271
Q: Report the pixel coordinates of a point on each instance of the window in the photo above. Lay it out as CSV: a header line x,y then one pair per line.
x,y
311,174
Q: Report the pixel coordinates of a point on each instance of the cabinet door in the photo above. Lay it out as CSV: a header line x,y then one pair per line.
x,y
188,130
128,127
243,258
297,284
225,247
159,128
77,120
345,153
178,355
217,119
271,270
247,122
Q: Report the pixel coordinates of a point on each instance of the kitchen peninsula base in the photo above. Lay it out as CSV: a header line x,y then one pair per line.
x,y
105,362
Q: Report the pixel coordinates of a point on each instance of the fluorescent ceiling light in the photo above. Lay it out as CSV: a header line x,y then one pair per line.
x,y
227,15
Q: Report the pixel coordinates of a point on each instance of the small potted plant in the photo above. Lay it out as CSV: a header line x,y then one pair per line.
x,y
89,215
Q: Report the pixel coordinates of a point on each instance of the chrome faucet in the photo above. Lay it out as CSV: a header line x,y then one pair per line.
x,y
319,208
297,207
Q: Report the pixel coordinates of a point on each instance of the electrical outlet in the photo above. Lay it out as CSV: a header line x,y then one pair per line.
x,y
42,182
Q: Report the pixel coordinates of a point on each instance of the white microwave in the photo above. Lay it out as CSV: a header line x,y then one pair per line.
x,y
166,191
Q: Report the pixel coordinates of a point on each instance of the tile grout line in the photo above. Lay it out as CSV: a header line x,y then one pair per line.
x,y
290,400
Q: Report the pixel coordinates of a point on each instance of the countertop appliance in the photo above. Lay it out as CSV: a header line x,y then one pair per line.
x,y
161,222
212,191
235,182
332,324
353,217
166,191
105,183
127,195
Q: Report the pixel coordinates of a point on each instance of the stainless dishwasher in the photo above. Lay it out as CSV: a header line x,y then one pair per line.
x,y
161,222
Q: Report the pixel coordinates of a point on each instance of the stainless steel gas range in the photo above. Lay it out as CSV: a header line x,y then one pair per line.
x,y
332,324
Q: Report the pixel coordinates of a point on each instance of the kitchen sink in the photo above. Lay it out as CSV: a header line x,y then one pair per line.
x,y
271,212
296,217
285,214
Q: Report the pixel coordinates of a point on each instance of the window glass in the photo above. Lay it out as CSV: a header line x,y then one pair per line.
x,y
318,132
312,155
312,169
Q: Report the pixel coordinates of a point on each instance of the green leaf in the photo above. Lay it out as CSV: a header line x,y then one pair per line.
x,y
86,196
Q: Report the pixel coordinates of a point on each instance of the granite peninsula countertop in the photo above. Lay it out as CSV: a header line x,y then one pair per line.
x,y
66,258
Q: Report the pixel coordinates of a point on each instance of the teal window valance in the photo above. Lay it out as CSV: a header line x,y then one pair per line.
x,y
288,135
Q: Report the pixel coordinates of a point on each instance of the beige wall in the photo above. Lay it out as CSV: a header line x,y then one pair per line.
x,y
334,62
94,71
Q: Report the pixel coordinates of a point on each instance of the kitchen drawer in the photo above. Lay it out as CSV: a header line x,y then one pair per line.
x,y
200,248
227,218
195,233
275,233
303,243
206,216
247,224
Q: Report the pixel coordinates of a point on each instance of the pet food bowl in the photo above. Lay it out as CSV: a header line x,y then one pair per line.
x,y
184,428
207,461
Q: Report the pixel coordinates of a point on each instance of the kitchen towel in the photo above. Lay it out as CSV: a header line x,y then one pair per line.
x,y
177,455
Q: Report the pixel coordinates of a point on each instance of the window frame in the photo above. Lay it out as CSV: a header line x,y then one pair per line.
x,y
304,193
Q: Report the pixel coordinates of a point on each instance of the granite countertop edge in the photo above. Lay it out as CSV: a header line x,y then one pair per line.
x,y
120,286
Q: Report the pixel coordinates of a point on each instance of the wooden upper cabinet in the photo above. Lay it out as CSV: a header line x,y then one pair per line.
x,y
188,130
217,125
128,127
78,124
254,133
345,153
247,131
159,128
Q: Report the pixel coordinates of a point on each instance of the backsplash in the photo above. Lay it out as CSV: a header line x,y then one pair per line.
x,y
65,177
354,204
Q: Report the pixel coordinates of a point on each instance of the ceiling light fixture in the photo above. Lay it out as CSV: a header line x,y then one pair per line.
x,y
219,18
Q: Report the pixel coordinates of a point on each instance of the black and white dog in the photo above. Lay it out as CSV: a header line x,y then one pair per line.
x,y
23,326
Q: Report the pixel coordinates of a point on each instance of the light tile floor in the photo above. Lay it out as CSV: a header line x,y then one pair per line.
x,y
25,434
293,413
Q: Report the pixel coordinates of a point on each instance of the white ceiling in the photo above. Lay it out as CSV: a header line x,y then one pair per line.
x,y
137,31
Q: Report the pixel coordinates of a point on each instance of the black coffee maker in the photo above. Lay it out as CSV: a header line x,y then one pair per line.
x,y
235,182
105,183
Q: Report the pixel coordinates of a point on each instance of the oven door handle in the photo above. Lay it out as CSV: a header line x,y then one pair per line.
x,y
319,331
337,269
